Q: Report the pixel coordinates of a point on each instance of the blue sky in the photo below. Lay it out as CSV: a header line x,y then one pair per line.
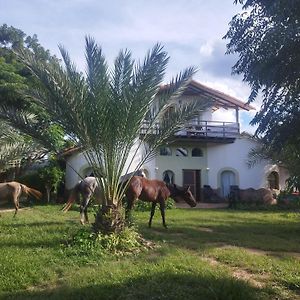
x,y
191,32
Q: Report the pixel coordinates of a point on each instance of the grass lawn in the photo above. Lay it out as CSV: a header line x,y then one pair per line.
x,y
205,254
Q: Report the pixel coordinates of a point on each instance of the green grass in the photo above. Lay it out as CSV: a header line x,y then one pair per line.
x,y
198,257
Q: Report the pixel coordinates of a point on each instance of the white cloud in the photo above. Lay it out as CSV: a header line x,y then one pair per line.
x,y
191,31
206,49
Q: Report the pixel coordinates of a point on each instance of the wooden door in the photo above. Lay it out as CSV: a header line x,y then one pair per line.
x,y
192,178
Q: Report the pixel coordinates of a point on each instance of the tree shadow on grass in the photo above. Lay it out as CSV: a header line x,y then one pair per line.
x,y
260,235
158,286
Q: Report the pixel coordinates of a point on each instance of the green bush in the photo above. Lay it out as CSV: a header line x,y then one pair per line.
x,y
287,199
85,241
146,206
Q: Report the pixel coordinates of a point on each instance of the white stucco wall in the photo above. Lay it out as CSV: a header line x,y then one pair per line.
x,y
177,163
77,166
234,157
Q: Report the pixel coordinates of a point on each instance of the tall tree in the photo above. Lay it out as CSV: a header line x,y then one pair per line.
x,y
15,80
266,38
105,110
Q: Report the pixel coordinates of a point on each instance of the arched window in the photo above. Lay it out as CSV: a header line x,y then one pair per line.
x,y
273,180
181,152
228,178
145,173
168,176
197,152
165,151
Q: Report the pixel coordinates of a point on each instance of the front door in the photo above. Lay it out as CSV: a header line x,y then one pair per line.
x,y
192,179
227,179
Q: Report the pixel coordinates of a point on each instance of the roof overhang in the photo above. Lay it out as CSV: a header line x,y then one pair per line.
x,y
219,99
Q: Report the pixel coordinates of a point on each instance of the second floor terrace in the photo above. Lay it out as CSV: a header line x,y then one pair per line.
x,y
204,127
213,131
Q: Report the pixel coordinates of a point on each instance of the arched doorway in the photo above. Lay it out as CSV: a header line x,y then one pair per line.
x,y
168,176
273,180
228,178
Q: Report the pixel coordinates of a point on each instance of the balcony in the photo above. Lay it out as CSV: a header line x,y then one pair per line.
x,y
213,131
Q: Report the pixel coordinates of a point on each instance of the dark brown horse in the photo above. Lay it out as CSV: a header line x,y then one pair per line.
x,y
155,191
12,191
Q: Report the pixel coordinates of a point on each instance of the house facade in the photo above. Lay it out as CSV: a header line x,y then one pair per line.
x,y
204,153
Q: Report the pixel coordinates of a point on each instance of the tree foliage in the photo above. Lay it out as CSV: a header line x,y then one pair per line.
x,y
266,37
16,108
106,110
51,176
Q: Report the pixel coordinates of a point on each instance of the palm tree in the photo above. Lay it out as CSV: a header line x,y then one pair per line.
x,y
105,110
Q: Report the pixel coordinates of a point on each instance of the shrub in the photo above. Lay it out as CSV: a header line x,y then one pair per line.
x,y
146,206
85,241
287,199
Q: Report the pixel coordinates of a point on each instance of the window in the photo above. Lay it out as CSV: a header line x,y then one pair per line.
x,y
181,152
197,152
168,176
165,151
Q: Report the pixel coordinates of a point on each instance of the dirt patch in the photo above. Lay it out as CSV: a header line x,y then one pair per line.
x,y
240,274
273,253
205,229
202,205
4,210
212,261
264,252
248,277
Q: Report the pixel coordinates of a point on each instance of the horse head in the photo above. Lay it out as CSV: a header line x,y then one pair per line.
x,y
182,193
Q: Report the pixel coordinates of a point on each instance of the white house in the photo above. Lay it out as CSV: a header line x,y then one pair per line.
x,y
205,152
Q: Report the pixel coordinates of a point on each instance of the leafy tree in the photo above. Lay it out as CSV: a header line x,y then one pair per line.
x,y
51,176
266,38
15,80
105,110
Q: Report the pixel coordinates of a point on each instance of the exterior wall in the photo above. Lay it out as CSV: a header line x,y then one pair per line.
x,y
233,157
177,163
150,168
77,166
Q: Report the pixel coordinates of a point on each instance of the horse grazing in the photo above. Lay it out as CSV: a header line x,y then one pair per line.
x,y
13,190
86,188
155,191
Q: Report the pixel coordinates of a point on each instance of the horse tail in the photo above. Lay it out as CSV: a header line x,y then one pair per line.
x,y
72,198
30,191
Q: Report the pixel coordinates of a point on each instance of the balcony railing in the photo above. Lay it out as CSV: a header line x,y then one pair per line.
x,y
200,129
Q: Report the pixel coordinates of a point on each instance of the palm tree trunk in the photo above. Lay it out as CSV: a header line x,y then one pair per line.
x,y
109,219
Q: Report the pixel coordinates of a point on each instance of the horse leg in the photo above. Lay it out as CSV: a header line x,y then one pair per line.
x,y
152,213
16,202
130,202
83,209
162,211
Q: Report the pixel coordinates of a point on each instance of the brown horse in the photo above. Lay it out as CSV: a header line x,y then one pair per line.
x,y
13,190
155,191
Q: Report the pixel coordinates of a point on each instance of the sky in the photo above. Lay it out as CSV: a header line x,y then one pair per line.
x,y
191,31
